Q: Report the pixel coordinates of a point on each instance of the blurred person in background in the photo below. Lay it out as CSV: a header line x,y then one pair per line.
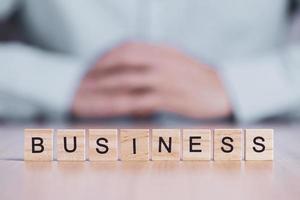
x,y
203,59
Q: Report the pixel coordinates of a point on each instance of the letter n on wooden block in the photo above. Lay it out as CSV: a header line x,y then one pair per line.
x,y
227,144
103,144
259,144
38,144
71,145
196,144
165,144
134,144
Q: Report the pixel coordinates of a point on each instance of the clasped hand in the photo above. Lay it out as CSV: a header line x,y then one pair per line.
x,y
142,79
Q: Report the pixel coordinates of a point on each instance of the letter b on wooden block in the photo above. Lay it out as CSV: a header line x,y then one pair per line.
x,y
259,144
134,144
71,145
103,144
227,144
38,144
196,144
165,144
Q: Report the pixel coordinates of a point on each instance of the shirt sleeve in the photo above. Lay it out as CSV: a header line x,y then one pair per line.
x,y
34,82
7,7
264,86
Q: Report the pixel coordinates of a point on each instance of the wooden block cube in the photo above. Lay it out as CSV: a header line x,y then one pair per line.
x,y
38,144
71,145
166,144
134,144
103,144
227,144
196,144
259,144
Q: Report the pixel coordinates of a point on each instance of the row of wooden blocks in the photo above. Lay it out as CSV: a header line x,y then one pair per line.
x,y
136,144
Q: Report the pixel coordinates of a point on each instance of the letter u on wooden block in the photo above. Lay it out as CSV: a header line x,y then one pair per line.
x,y
196,144
259,144
227,144
71,145
38,144
103,144
165,144
134,144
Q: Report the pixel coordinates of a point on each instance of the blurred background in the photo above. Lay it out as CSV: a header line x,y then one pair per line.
x,y
132,61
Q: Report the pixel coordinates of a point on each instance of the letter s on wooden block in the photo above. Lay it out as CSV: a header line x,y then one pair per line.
x,y
227,144
71,145
38,144
103,144
134,144
165,144
259,144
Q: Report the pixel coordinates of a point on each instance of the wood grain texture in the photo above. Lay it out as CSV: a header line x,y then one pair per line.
x,y
196,144
172,139
258,152
108,137
66,138
45,138
229,136
134,144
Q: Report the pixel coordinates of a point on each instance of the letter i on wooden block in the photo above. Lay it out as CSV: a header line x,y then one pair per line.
x,y
227,144
259,144
134,144
103,144
71,145
38,144
196,144
165,144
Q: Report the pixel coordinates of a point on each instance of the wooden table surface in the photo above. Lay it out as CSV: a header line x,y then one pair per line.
x,y
278,179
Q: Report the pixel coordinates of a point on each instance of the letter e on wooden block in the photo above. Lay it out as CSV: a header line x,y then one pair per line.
x,y
259,144
227,144
103,144
196,144
38,144
134,144
71,145
165,144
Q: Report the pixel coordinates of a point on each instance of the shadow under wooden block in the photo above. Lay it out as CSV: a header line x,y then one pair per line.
x,y
71,145
196,144
38,144
227,144
103,144
259,144
134,144
166,144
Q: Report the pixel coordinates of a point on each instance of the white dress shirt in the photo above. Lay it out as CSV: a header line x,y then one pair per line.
x,y
247,41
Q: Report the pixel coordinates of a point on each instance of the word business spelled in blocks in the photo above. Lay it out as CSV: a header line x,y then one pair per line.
x,y
146,144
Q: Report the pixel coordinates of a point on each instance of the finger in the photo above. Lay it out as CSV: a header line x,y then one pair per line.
x,y
98,73
123,82
121,105
127,56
